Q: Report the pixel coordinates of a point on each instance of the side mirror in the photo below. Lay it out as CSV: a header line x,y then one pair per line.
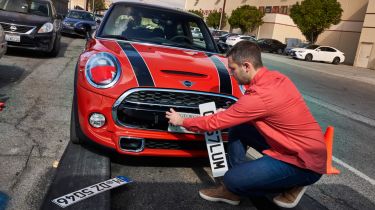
x,y
83,29
98,21
318,50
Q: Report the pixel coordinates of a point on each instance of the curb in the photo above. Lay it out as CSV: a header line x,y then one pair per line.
x,y
79,167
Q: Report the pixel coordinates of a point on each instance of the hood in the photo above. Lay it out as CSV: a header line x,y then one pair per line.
x,y
23,19
147,65
74,20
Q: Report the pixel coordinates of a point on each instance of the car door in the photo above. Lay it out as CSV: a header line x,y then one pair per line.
x,y
318,54
331,54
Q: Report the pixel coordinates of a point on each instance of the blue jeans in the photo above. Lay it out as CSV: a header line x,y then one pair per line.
x,y
262,176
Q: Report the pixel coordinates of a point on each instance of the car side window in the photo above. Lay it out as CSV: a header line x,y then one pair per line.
x,y
329,49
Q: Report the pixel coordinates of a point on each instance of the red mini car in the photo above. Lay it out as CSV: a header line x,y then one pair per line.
x,y
142,61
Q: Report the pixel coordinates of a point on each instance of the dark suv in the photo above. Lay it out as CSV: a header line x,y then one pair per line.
x,y
31,24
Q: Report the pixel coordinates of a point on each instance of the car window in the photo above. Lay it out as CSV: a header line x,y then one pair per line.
x,y
143,24
40,8
81,15
329,49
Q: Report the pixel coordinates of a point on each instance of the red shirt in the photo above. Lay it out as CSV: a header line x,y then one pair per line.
x,y
276,108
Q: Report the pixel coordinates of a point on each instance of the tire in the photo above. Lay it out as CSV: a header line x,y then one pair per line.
x,y
76,134
56,49
308,57
74,137
336,60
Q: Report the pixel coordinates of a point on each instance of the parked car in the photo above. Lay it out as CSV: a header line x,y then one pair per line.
x,y
196,32
224,37
129,75
31,24
77,16
319,53
217,33
3,43
232,40
271,45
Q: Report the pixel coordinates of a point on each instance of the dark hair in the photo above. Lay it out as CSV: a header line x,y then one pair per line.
x,y
246,51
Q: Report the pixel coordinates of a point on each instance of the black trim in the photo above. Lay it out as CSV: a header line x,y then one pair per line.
x,y
140,68
225,81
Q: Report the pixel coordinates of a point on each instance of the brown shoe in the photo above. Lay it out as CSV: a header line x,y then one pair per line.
x,y
219,193
290,198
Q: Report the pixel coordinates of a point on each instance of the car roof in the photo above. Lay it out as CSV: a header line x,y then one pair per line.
x,y
157,7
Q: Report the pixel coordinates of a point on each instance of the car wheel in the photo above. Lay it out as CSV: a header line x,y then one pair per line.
x,y
56,49
74,137
336,60
279,51
308,57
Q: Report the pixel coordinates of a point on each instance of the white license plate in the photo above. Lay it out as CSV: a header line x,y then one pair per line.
x,y
79,195
180,129
12,38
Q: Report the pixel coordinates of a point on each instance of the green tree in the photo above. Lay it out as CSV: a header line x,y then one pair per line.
x,y
246,17
213,19
197,12
312,17
99,4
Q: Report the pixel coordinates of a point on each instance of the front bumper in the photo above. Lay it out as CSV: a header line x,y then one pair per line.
x,y
156,143
69,30
39,42
297,55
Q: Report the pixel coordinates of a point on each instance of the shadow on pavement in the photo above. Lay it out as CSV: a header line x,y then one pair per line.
x,y
35,54
10,74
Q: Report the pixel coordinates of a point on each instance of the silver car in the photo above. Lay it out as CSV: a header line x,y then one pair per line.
x,y
3,43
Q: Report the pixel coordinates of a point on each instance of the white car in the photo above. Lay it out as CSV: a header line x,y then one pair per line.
x,y
318,53
232,40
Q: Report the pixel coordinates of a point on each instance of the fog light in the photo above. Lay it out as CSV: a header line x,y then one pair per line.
x,y
97,120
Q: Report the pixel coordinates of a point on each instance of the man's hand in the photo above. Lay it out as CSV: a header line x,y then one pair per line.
x,y
174,117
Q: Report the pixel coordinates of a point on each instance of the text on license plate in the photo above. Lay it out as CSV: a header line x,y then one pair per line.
x,y
12,38
74,197
180,129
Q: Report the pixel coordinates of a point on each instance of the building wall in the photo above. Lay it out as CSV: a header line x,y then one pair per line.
x,y
367,37
80,3
345,36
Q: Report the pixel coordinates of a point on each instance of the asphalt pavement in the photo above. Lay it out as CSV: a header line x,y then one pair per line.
x,y
35,133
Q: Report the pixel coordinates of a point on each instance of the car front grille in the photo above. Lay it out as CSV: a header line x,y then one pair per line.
x,y
176,145
18,28
145,107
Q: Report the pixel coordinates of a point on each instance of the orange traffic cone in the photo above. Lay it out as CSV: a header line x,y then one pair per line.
x,y
328,136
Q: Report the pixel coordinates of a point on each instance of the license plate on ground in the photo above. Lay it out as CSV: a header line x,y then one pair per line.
x,y
79,195
12,38
180,129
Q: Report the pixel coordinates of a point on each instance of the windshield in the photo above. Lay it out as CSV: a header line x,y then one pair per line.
x,y
26,6
81,15
312,47
163,27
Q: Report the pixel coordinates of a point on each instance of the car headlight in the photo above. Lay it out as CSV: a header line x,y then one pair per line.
x,y
103,70
46,28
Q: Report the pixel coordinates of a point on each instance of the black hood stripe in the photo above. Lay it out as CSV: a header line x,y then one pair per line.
x,y
225,81
140,68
